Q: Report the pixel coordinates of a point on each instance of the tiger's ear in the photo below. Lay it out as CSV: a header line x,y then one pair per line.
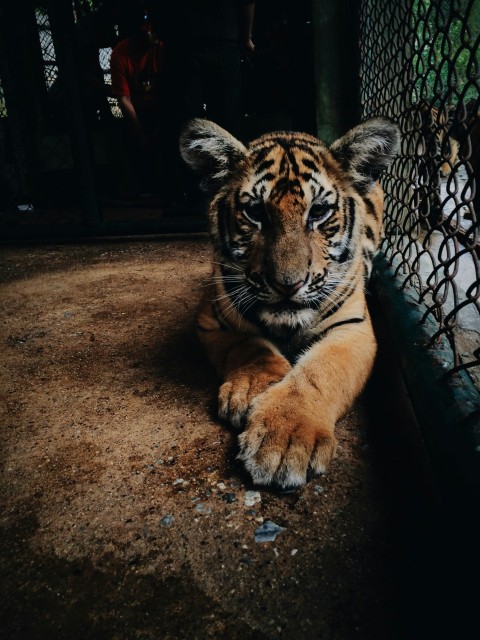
x,y
211,151
366,150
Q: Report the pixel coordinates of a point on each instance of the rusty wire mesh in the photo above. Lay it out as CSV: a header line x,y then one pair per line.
x,y
420,65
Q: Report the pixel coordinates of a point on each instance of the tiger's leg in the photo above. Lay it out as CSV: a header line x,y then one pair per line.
x,y
290,428
247,364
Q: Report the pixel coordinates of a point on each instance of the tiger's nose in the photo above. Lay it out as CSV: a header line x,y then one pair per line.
x,y
286,289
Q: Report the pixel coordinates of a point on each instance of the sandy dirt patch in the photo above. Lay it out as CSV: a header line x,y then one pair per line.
x,y
124,512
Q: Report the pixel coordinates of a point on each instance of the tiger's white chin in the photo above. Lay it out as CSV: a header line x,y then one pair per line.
x,y
288,318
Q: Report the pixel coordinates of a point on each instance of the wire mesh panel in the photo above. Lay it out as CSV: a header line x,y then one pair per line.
x,y
47,46
420,65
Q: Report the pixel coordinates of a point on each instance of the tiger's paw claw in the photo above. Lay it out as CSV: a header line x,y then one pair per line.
x,y
284,456
235,396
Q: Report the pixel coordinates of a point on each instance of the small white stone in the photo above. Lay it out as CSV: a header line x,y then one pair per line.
x,y
251,498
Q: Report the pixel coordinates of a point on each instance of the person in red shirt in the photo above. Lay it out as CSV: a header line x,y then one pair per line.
x,y
137,72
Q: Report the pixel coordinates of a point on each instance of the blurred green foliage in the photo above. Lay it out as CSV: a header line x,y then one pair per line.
x,y
446,58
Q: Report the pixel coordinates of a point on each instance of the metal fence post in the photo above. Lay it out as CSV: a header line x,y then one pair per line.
x,y
63,34
336,26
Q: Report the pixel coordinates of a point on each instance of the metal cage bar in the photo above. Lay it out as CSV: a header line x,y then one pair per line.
x,y
420,65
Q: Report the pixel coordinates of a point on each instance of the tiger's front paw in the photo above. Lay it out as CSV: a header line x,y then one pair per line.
x,y
235,396
281,444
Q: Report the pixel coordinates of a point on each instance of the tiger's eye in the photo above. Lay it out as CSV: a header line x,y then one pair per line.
x,y
255,212
320,212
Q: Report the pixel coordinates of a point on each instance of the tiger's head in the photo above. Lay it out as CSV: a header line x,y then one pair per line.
x,y
294,222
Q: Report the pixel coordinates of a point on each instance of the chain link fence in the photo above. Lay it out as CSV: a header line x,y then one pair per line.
x,y
420,65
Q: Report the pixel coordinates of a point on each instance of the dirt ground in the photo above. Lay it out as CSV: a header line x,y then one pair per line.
x,y
124,513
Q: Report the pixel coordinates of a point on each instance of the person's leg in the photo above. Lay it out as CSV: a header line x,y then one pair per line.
x,y
148,169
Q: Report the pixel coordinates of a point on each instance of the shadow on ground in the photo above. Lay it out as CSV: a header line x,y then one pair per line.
x,y
123,511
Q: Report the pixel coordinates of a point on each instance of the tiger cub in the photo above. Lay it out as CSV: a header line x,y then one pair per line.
x,y
294,225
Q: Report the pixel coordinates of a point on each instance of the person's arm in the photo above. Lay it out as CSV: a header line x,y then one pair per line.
x,y
130,115
246,13
121,91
